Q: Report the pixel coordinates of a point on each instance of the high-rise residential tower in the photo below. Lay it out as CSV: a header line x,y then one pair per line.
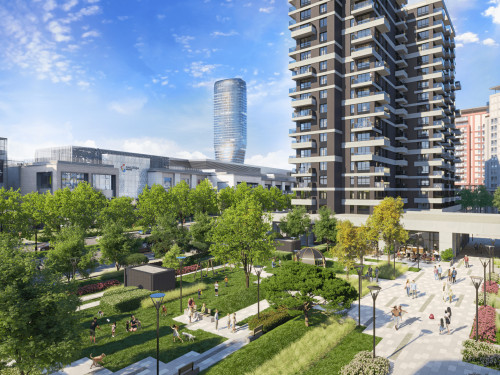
x,y
230,120
374,103
3,162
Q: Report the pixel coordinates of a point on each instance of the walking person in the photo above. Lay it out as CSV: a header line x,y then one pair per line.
x,y
435,273
407,287
454,276
441,326
228,321
234,322
401,311
449,275
190,314
216,318
199,293
164,310
376,273
413,287
395,313
216,286
466,260
225,280
440,271
447,320
370,273
113,329
93,326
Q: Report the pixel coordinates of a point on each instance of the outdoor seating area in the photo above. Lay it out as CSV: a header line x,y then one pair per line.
x,y
412,253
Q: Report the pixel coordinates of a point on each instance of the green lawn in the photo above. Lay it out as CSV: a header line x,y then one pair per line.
x,y
343,353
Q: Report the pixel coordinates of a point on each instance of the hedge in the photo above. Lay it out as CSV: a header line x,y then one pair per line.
x,y
447,254
481,353
270,319
122,300
94,288
491,287
364,364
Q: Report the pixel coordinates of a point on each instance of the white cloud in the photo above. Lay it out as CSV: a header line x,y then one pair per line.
x,y
222,19
199,69
92,1
160,16
59,32
493,11
266,10
468,37
123,18
49,5
156,146
490,42
184,40
274,159
128,106
68,5
91,34
83,84
220,33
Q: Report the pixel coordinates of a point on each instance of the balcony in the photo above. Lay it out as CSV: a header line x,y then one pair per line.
x,y
401,100
401,112
401,25
382,68
308,102
304,173
303,74
303,31
382,112
360,82
362,52
364,126
401,38
402,88
304,202
303,145
458,85
401,49
361,37
304,115
362,7
383,171
382,185
401,74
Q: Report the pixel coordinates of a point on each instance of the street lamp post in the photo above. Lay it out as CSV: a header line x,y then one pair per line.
x,y
491,253
258,271
394,259
157,299
359,269
74,262
181,259
476,280
485,263
374,290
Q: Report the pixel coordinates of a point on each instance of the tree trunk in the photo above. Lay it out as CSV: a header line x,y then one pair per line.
x,y
306,316
117,266
36,239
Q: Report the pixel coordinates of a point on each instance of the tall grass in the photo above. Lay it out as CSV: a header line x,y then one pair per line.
x,y
175,294
353,280
387,270
299,356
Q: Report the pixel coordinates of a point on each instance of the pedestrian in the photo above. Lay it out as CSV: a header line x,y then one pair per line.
x,y
164,310
449,275
234,322
407,287
225,280
279,262
113,329
413,287
216,318
435,273
450,294
175,333
466,260
454,275
228,321
376,273
395,313
440,271
370,273
133,324
272,264
190,314
441,326
216,286
447,320
93,326
203,308
401,311
199,293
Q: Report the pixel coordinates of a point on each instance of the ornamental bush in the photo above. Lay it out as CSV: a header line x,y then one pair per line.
x,y
187,269
270,319
364,364
482,353
447,254
487,325
491,287
94,288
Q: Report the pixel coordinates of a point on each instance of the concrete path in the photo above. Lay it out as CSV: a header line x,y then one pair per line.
x,y
417,347
90,297
88,305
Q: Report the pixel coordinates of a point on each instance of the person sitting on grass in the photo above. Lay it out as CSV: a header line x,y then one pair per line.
x,y
133,324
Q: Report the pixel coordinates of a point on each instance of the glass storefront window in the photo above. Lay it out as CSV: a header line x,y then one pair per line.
x,y
71,180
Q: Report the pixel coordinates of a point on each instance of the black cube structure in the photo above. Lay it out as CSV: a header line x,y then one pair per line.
x,y
150,277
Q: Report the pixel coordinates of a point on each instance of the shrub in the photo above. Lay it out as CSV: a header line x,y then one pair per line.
x,y
491,287
282,255
122,300
364,364
135,259
487,325
172,295
270,319
188,269
94,288
447,254
482,353
495,277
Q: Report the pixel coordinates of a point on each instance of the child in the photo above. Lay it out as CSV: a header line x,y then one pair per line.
x,y
163,310
225,280
199,293
175,333
441,326
113,329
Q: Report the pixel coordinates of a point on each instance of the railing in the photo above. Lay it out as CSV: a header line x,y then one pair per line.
x,y
361,80
292,90
362,4
291,22
362,124
380,109
307,112
302,71
292,9
381,185
292,49
357,49
382,170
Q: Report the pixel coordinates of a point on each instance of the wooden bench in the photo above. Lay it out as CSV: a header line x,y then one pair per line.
x,y
256,333
189,369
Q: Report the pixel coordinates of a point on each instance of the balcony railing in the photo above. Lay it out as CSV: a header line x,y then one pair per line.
x,y
361,124
362,4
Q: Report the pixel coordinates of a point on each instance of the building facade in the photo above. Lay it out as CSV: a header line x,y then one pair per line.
x,y
472,127
374,104
3,163
492,147
230,120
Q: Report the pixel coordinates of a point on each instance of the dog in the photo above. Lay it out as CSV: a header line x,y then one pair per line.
x,y
189,336
96,361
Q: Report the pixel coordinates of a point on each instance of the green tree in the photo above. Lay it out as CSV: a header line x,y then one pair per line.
x,y
386,221
135,259
119,210
11,214
70,243
204,198
83,206
347,244
496,198
225,198
168,232
484,198
33,207
466,199
296,285
152,204
242,234
200,230
296,222
38,314
53,212
170,259
180,202
325,229
279,200
116,245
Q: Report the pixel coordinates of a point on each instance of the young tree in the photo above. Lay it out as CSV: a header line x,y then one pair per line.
x,y
152,204
116,245
204,198
225,198
484,198
243,235
84,206
325,229
167,232
496,198
200,230
296,222
38,314
118,210
33,205
70,243
279,200
295,286
466,199
180,202
347,244
11,214
386,221
170,259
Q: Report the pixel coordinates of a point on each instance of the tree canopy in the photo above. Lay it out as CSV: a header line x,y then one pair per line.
x,y
325,229
296,222
116,245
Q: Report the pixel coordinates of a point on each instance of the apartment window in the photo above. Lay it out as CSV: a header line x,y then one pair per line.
x,y
305,14
364,137
323,108
322,195
423,170
422,11
352,109
305,55
363,166
423,46
322,22
323,123
305,126
423,84
322,166
304,85
353,164
363,108
304,2
352,66
364,64
322,180
363,92
322,151
424,108
305,96
305,42
322,51
305,153
323,80
322,65
423,35
425,145
422,23
322,137
352,182
322,9
423,121
424,182
423,97
424,71
363,150
363,181
323,37
323,94
423,60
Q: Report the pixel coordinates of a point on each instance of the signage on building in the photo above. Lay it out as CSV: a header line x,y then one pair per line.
x,y
125,168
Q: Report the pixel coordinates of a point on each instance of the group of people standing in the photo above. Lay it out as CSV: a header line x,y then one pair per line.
x,y
369,273
452,273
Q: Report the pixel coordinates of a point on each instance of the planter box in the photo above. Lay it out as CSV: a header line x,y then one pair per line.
x,y
287,244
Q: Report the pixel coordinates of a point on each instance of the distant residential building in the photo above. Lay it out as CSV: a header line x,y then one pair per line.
x,y
3,162
492,148
471,152
230,120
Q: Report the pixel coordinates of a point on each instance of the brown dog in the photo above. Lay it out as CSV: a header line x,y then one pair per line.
x,y
96,361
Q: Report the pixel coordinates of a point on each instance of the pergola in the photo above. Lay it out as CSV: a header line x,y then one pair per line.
x,y
313,256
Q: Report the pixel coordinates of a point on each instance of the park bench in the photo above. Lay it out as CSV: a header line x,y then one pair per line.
x,y
256,333
208,316
189,369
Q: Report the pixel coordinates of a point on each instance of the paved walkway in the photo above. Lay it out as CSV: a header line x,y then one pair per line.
x,y
417,347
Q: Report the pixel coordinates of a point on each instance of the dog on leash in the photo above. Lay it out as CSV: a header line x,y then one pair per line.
x,y
96,361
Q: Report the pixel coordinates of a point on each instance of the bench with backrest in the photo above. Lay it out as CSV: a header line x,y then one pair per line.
x,y
208,315
189,369
256,333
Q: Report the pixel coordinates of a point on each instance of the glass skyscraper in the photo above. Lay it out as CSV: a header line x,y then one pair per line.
x,y
230,120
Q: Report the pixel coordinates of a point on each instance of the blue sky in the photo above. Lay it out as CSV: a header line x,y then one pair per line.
x,y
138,75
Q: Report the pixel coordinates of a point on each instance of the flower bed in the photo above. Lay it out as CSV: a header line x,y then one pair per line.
x,y
491,287
94,288
364,364
187,269
481,353
487,325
